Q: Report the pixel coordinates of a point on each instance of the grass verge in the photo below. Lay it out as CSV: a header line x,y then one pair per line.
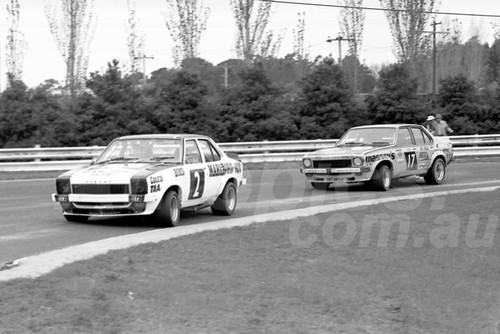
x,y
312,275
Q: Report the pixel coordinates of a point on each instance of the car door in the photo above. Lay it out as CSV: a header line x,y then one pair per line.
x,y
196,173
216,174
422,141
407,153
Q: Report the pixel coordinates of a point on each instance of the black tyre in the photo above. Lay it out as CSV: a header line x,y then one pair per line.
x,y
169,212
320,185
382,178
437,172
226,202
76,219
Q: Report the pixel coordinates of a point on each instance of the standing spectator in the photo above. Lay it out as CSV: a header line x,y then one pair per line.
x,y
441,128
430,123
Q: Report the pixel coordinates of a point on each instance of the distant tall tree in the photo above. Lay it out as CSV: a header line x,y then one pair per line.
x,y
186,20
73,30
352,23
298,34
408,20
16,43
252,39
135,37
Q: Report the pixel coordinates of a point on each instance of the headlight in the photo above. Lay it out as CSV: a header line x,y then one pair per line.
x,y
139,186
63,186
307,162
357,161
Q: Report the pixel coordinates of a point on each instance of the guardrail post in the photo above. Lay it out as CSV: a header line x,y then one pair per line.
x,y
38,146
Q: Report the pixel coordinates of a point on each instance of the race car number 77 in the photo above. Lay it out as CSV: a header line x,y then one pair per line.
x,y
197,183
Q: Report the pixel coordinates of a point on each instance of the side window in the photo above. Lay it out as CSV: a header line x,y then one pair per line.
x,y
404,137
215,153
427,138
193,155
206,151
209,151
418,135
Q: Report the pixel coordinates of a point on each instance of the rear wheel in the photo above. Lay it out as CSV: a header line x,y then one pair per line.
x,y
226,202
76,219
169,212
381,179
437,172
320,185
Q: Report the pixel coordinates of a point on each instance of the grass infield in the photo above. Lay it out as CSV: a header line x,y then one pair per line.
x,y
286,277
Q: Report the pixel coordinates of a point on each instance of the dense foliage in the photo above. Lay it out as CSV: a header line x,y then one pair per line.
x,y
268,99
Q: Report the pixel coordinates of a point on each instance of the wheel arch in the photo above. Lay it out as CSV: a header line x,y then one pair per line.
x,y
388,163
437,156
175,188
232,180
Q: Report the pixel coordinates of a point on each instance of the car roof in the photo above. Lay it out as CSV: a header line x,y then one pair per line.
x,y
384,126
163,136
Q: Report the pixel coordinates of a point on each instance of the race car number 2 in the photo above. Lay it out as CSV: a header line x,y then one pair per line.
x,y
196,183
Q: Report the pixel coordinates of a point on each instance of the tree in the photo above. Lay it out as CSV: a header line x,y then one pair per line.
x,y
181,106
16,43
252,39
113,108
395,99
459,105
408,20
493,63
327,107
72,29
186,20
253,109
135,38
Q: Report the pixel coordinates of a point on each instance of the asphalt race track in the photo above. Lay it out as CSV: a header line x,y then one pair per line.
x,y
31,224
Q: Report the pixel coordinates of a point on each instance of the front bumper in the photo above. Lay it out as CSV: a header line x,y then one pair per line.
x,y
340,175
106,205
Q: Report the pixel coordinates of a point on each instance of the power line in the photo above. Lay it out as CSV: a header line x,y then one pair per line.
x,y
378,9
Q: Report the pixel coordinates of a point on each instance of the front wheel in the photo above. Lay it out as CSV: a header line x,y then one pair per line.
x,y
226,202
381,179
437,172
169,212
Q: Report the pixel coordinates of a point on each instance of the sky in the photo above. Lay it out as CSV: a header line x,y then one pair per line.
x,y
43,61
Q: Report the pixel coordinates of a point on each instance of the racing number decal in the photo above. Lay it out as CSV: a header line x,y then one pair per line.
x,y
411,160
196,183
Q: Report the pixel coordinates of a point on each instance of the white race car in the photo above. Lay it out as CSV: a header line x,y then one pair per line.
x,y
152,175
379,154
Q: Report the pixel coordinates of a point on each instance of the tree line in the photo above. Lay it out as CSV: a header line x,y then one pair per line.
x,y
267,99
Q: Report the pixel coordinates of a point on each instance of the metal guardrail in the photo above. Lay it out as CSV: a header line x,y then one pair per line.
x,y
65,158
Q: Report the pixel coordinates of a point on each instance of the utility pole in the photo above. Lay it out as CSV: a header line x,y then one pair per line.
x,y
340,39
434,55
144,57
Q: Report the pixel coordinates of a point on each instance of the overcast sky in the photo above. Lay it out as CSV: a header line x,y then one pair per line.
x,y
43,61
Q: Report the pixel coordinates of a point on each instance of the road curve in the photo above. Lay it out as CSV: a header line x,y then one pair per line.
x,y
31,224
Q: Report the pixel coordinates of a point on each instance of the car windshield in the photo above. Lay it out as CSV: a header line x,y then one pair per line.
x,y
368,136
143,149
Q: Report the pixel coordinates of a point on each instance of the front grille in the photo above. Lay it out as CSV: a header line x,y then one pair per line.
x,y
345,163
100,189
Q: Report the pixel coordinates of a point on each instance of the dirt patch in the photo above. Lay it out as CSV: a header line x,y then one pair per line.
x,y
404,267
